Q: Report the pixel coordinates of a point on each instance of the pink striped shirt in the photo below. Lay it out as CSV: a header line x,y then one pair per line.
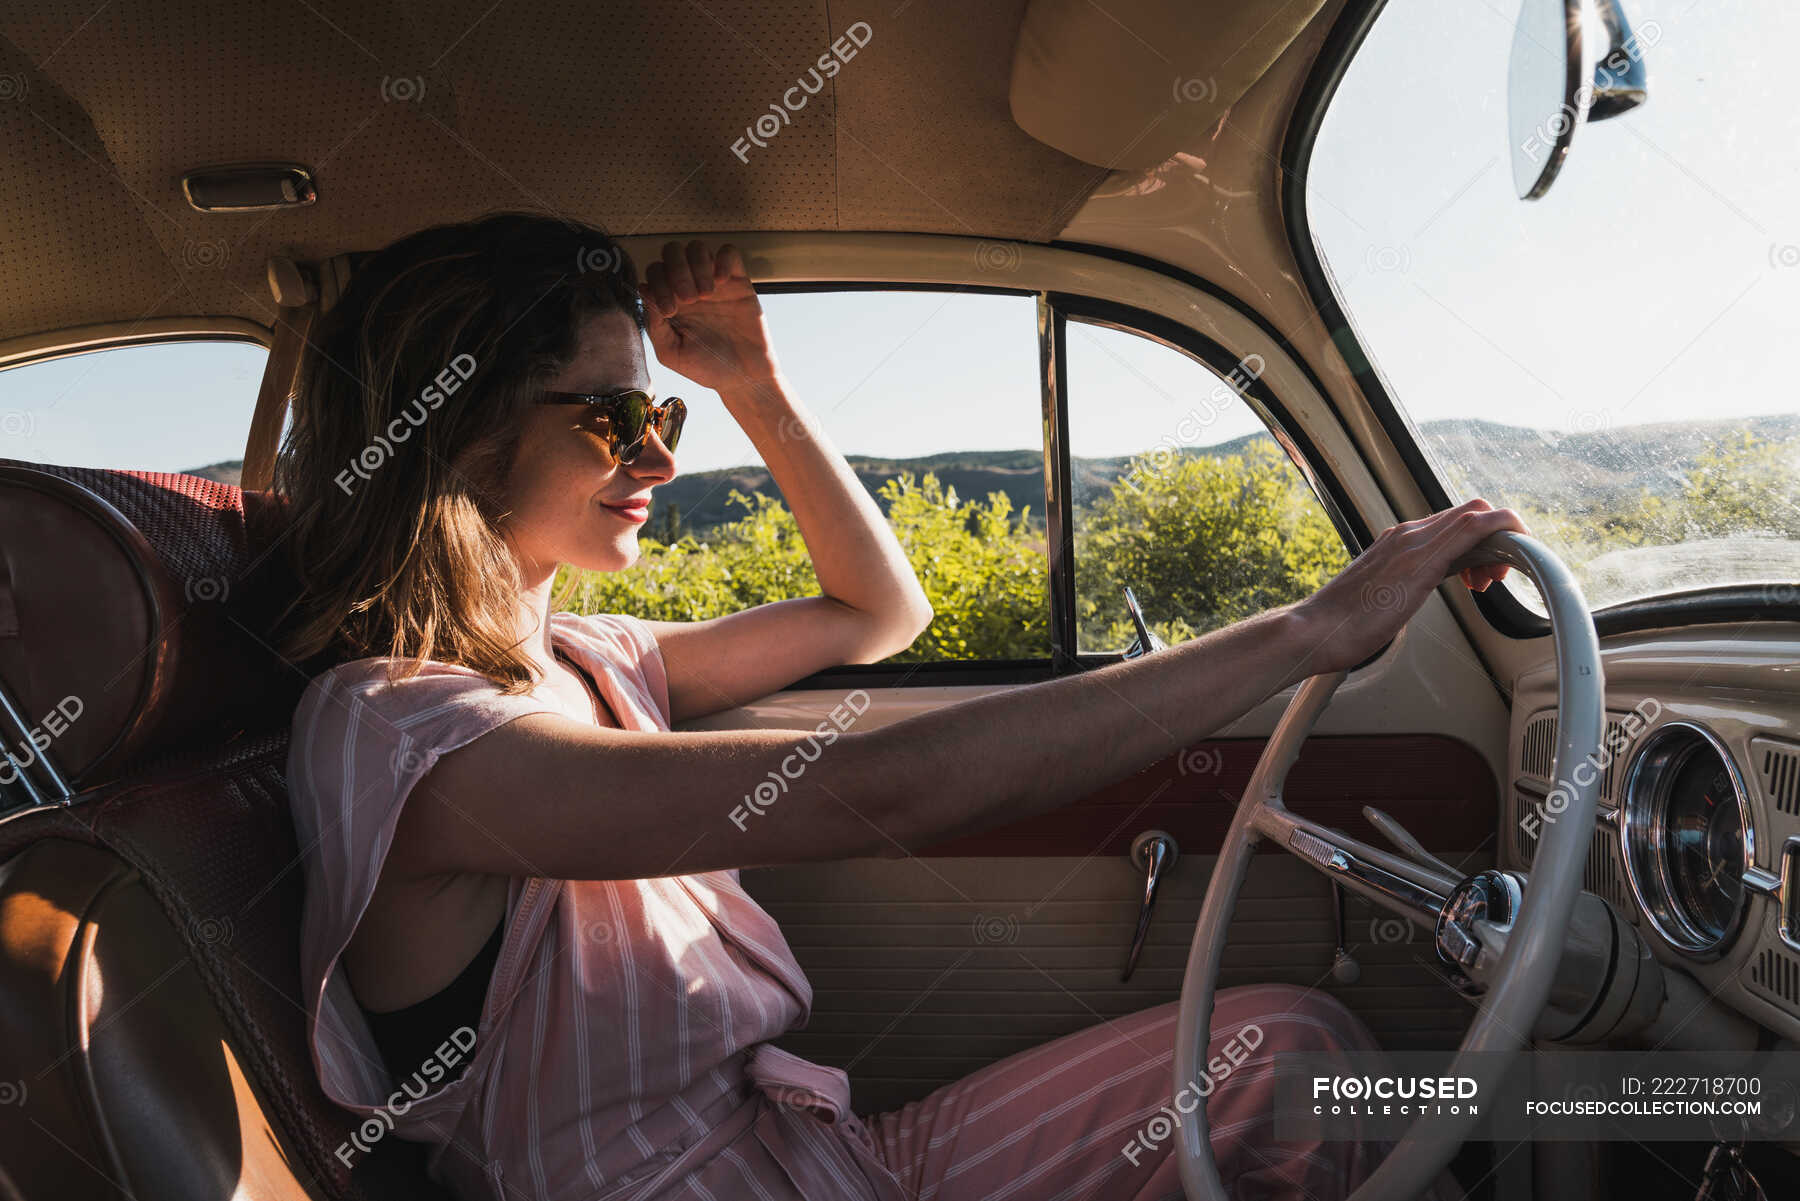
x,y
622,1048
622,1051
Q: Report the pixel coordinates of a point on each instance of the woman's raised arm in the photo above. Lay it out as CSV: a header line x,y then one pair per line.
x,y
706,322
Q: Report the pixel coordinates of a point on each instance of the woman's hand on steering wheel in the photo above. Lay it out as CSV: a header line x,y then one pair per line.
x,y
705,320
1359,611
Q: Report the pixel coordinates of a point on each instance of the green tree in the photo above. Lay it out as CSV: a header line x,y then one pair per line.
x,y
983,569
1203,541
665,523
1742,485
981,566
1582,535
757,558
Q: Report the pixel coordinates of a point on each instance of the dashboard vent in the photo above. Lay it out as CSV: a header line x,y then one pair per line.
x,y
1613,743
1537,757
1604,877
1540,746
1779,763
1524,833
1776,975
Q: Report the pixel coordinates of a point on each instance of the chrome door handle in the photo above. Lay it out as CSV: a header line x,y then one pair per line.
x,y
1154,851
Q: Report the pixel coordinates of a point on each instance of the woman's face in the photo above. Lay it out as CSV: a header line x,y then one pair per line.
x,y
570,501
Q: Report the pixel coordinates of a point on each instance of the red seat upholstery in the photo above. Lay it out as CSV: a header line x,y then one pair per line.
x,y
152,1042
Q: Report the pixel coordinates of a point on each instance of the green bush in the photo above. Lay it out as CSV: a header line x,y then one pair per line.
x,y
983,569
760,557
1743,486
1203,540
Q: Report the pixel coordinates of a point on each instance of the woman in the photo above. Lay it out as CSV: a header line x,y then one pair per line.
x,y
524,938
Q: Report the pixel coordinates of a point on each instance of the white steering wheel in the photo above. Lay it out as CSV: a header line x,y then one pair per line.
x,y
1515,962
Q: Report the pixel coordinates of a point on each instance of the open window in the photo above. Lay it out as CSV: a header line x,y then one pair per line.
x,y
1179,492
1037,455
154,406
933,397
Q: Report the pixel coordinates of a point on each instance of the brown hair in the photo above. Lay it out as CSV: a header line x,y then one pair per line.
x,y
406,420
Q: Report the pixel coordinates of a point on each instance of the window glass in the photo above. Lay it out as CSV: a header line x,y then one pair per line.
x,y
1180,494
166,406
1606,359
933,397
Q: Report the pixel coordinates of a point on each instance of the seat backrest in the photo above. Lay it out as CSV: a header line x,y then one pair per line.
x,y
152,1039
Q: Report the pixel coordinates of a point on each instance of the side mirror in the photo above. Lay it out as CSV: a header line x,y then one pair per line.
x,y
1555,82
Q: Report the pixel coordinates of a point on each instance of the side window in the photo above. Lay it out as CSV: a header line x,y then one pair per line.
x,y
164,406
1180,493
933,397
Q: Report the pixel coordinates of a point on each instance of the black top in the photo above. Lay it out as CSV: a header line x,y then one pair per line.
x,y
408,1037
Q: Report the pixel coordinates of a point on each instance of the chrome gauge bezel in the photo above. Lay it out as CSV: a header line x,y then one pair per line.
x,y
1643,835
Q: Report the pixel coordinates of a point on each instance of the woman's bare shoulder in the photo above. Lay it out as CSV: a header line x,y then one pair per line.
x,y
370,722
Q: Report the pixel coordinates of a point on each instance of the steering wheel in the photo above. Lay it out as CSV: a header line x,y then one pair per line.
x,y
1508,942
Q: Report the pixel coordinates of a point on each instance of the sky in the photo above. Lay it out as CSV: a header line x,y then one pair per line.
x,y
893,374
1658,280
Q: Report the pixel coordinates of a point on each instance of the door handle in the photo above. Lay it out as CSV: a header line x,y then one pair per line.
x,y
1155,852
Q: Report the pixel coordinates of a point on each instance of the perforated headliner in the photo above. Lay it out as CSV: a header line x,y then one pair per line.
x,y
409,114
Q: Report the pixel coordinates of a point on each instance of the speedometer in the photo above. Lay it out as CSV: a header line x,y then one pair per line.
x,y
1688,839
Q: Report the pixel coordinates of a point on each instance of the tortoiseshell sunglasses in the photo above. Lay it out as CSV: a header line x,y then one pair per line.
x,y
628,418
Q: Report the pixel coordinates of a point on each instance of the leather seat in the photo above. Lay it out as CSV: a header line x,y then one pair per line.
x,y
152,1042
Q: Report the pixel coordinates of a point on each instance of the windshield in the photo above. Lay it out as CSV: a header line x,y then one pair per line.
x,y
1610,360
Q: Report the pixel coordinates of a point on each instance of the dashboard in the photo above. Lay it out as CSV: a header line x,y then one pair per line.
x,y
1697,841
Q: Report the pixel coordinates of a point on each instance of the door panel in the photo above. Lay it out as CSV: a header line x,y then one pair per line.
x,y
1435,786
926,969
1425,683
929,967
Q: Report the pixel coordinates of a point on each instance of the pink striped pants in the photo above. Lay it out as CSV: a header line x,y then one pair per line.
x,y
1072,1120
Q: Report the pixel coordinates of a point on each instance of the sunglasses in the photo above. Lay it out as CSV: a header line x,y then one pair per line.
x,y
626,418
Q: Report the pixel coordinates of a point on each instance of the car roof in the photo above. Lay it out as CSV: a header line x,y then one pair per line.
x,y
634,117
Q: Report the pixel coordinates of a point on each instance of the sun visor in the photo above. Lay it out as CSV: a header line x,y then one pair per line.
x,y
1130,84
